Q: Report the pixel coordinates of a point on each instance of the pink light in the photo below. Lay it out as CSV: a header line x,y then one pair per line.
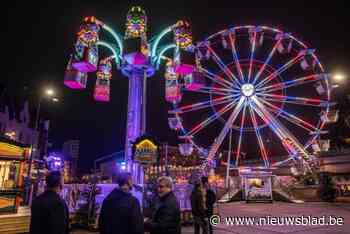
x,y
101,94
73,84
184,69
194,86
84,66
135,58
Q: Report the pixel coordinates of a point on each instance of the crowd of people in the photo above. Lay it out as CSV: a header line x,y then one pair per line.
x,y
121,211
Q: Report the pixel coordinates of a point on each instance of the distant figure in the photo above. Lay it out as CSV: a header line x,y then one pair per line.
x,y
49,212
166,218
121,212
199,209
210,199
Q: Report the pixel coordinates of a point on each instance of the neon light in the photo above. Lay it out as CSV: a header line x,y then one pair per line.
x,y
116,37
223,67
241,133
217,79
235,57
280,70
252,56
115,53
163,50
146,144
156,42
262,68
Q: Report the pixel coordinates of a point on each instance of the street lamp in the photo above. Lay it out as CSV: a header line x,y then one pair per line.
x,y
55,99
339,77
48,93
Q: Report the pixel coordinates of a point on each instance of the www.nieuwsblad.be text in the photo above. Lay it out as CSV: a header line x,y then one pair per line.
x,y
303,220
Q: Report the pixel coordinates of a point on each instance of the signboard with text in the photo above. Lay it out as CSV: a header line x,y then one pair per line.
x,y
145,151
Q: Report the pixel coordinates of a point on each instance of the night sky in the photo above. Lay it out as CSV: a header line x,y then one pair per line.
x,y
40,37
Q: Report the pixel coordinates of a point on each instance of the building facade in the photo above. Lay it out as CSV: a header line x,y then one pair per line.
x,y
17,129
70,150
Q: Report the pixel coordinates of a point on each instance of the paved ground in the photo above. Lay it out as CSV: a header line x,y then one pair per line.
x,y
241,209
285,210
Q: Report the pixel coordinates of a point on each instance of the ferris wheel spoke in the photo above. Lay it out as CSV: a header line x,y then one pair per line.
x,y
215,78
289,141
280,70
210,119
238,153
291,120
220,89
290,117
208,92
251,56
215,146
262,68
258,136
293,83
294,100
223,67
202,105
235,57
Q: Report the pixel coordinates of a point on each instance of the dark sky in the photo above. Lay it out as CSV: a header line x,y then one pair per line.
x,y
39,38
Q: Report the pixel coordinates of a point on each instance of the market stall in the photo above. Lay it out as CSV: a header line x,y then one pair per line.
x,y
12,163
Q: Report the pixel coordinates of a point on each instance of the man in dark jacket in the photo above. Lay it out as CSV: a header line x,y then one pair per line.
x,y
166,218
198,205
210,200
49,213
121,212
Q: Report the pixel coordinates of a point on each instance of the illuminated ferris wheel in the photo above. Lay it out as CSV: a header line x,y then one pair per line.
x,y
256,92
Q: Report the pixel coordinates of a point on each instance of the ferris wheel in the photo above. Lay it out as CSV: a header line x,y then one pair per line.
x,y
257,93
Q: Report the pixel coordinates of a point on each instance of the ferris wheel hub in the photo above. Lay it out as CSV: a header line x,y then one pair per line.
x,y
248,90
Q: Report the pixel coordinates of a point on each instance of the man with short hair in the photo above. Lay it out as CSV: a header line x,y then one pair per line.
x,y
210,199
167,216
121,212
49,212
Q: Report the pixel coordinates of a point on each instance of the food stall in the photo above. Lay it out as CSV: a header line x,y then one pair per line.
x,y
12,163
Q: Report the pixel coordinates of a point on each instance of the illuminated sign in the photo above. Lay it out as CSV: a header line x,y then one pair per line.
x,y
12,150
145,151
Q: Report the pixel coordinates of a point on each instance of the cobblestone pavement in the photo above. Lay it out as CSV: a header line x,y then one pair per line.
x,y
277,209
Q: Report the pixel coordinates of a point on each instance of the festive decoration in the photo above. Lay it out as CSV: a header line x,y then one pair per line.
x,y
174,123
136,23
182,34
105,69
185,62
145,150
89,30
85,59
186,149
284,42
73,78
102,89
194,81
172,86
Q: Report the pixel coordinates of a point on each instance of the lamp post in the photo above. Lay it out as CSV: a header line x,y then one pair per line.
x,y
49,93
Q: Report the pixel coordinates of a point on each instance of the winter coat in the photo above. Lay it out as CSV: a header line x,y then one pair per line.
x,y
49,214
120,214
166,217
